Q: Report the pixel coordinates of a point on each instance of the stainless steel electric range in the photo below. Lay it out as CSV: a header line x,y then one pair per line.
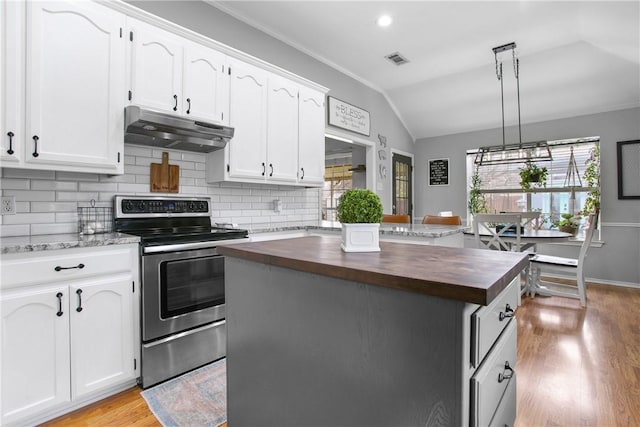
x,y
182,281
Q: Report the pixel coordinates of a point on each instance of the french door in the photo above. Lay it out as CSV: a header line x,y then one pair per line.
x,y
402,170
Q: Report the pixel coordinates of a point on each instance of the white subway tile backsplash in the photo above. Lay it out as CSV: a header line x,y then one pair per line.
x,y
29,218
46,201
15,184
54,185
53,206
14,230
61,228
27,173
65,196
31,195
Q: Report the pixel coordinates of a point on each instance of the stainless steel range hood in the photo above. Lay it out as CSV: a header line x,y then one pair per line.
x,y
147,127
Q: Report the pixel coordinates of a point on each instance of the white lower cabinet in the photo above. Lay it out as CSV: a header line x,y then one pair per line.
x,y
69,334
490,371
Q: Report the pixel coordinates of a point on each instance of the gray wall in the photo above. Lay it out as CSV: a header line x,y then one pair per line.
x,y
619,259
217,25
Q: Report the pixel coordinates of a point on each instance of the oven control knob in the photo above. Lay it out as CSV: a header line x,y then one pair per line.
x,y
142,206
192,207
127,206
202,207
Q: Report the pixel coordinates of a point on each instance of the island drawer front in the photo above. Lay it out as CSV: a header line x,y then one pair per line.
x,y
490,381
487,323
505,416
65,264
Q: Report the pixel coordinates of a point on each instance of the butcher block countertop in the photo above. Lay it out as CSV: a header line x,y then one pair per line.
x,y
470,275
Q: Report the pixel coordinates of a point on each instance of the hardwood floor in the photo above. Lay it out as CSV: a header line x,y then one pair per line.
x,y
576,367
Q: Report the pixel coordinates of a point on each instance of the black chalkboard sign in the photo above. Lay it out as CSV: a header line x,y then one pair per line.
x,y
439,172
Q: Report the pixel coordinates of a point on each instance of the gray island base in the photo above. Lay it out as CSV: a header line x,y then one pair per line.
x,y
315,339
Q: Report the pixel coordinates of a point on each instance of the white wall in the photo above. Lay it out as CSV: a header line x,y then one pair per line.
x,y
217,25
619,259
47,201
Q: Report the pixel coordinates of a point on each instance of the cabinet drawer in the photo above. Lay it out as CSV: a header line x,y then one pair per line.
x,y
487,323
64,265
489,383
505,416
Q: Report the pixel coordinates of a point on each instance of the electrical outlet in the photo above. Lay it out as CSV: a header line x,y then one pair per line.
x,y
8,205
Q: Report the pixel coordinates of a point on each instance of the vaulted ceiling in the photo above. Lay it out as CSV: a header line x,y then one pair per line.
x,y
576,57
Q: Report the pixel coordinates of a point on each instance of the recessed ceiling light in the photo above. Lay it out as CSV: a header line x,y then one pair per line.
x,y
384,21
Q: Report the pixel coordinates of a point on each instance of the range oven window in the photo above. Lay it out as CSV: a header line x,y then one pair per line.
x,y
188,285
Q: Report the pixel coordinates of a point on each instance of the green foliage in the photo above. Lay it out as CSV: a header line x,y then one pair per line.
x,y
592,179
358,206
477,201
568,220
532,176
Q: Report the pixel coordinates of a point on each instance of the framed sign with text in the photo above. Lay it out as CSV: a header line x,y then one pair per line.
x,y
439,172
628,169
347,116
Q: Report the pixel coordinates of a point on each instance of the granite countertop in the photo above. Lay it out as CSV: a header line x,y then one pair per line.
x,y
387,229
47,242
470,275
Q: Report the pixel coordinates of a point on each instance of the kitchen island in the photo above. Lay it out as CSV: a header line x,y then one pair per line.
x,y
412,335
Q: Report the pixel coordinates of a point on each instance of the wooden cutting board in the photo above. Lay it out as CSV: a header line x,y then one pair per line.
x,y
164,178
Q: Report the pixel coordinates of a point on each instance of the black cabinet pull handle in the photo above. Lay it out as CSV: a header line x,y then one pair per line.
x,y
507,374
271,166
264,169
189,103
79,293
10,135
59,296
35,142
508,312
175,98
302,169
79,266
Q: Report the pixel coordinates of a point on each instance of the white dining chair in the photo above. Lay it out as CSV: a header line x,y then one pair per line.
x,y
541,263
487,235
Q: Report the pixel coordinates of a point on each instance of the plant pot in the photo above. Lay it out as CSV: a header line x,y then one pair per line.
x,y
568,229
360,237
534,177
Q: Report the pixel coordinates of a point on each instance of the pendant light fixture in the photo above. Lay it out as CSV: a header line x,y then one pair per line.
x,y
520,152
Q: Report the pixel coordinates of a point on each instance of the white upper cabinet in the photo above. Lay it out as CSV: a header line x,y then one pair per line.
x,y
174,75
311,137
11,82
279,133
74,87
248,116
282,130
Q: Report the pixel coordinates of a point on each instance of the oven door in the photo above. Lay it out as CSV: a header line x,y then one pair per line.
x,y
181,290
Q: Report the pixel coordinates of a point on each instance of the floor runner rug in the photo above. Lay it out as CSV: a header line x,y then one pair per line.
x,y
198,398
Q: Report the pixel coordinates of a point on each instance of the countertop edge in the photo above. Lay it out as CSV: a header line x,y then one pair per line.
x,y
455,291
47,242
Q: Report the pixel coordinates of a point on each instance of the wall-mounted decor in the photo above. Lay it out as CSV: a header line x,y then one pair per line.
x,y
347,116
439,172
629,169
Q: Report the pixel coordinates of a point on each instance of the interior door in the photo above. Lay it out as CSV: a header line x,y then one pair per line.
x,y
402,189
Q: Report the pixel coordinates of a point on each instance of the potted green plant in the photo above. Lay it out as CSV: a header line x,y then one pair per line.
x,y
568,223
532,176
360,212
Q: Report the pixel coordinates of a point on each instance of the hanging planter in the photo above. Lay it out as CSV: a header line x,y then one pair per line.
x,y
532,176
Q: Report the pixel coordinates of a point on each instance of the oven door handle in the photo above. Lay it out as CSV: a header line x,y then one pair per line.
x,y
188,246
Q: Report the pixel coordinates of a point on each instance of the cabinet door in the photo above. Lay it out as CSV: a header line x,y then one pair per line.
x,y
282,131
11,82
248,115
206,85
101,334
311,137
156,68
35,351
75,86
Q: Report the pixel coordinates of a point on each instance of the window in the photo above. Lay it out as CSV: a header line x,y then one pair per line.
x,y
337,180
501,182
